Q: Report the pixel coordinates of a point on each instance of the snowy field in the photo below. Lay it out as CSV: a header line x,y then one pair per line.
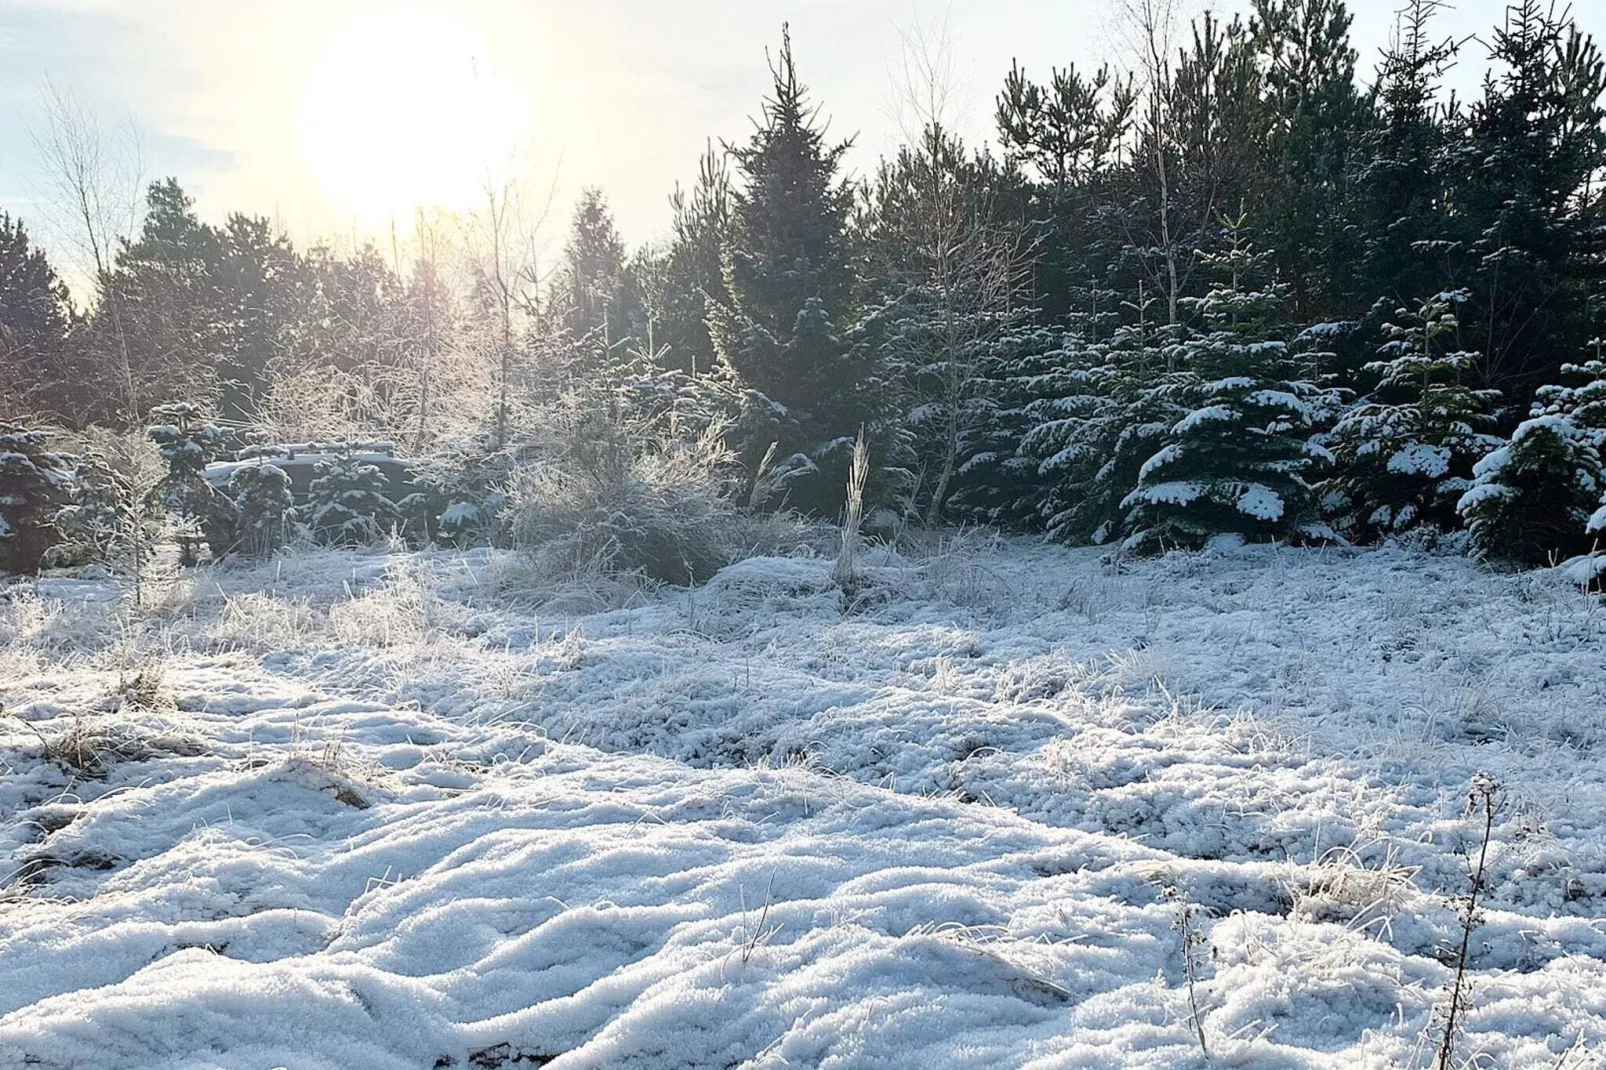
x,y
386,812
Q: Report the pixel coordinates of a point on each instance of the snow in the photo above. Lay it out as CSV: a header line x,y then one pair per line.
x,y
1421,459
387,811
1260,502
1177,492
1210,414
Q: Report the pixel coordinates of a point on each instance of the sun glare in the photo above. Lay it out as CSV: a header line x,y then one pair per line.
x,y
403,111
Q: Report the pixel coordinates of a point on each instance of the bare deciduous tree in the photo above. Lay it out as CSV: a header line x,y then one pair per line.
x,y
92,184
501,240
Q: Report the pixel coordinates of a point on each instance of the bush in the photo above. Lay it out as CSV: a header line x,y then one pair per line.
x,y
465,482
631,500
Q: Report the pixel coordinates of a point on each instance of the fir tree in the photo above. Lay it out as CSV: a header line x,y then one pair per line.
x,y
1532,499
998,482
1404,454
1580,399
1580,396
347,502
187,443
265,505
1101,413
34,483
1234,463
104,517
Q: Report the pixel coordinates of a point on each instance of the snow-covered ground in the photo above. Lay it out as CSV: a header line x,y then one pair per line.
x,y
383,811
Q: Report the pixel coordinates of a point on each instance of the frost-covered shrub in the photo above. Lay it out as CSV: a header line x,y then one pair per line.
x,y
347,502
464,482
266,506
1531,500
34,483
1403,456
631,500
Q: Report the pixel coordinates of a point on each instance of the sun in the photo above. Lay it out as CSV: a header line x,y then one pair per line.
x,y
403,111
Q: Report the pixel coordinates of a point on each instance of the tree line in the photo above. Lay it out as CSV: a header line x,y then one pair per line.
x,y
1245,288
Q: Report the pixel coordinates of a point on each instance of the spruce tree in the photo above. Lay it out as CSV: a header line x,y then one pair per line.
x,y
1234,463
592,283
1404,454
785,334
35,482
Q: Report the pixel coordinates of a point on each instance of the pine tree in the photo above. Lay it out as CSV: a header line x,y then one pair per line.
x,y
256,279
167,284
1536,145
1401,167
265,505
693,269
1317,119
1404,454
1063,143
1234,463
949,282
347,502
34,483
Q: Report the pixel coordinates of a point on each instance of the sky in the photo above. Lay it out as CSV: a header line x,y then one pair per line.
x,y
335,116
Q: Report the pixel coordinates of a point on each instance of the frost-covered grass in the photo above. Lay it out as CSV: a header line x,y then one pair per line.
x,y
422,810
